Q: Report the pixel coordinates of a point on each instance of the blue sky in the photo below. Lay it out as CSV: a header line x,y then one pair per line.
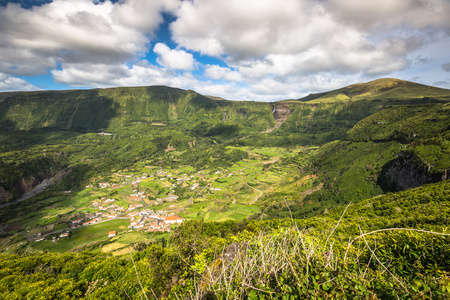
x,y
261,50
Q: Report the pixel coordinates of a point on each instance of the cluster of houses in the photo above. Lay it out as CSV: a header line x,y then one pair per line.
x,y
138,219
145,218
156,221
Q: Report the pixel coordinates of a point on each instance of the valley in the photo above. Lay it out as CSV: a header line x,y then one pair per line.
x,y
152,192
158,182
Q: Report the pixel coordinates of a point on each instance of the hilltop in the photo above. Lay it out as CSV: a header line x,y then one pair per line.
x,y
385,88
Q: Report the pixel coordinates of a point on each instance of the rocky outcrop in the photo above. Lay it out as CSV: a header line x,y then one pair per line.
x,y
405,172
25,185
281,112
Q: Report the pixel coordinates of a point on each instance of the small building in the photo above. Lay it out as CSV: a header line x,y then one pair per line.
x,y
133,214
154,227
63,235
172,219
112,234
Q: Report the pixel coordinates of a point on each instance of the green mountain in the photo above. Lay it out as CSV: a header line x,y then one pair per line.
x,y
265,178
386,89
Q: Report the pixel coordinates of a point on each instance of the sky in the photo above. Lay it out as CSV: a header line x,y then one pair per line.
x,y
259,50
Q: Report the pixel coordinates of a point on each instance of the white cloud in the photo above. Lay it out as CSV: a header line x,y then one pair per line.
x,y
76,31
247,28
142,14
140,74
261,38
87,74
9,83
385,14
173,59
216,72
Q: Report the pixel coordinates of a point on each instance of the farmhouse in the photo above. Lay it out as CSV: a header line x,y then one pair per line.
x,y
154,227
65,234
133,214
112,234
172,219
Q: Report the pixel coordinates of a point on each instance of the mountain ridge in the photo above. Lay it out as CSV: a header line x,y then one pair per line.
x,y
378,88
384,88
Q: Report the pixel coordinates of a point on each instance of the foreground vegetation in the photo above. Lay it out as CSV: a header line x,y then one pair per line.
x,y
350,252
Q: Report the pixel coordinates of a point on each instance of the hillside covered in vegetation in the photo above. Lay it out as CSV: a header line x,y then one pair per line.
x,y
337,195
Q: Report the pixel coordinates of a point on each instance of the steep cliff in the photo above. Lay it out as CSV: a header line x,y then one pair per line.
x,y
408,171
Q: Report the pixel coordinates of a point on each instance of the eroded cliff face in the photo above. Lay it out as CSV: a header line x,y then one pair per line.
x,y
29,187
280,112
25,185
407,171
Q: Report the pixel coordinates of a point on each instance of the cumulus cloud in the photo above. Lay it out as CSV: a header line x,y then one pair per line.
x,y
76,31
142,73
246,28
261,38
382,14
173,59
216,72
143,15
9,83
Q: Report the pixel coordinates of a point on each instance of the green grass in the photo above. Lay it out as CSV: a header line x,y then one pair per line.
x,y
98,231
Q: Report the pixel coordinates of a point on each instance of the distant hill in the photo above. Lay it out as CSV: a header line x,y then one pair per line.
x,y
382,89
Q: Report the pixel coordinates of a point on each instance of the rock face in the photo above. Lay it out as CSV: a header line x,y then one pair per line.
x,y
405,172
280,112
26,185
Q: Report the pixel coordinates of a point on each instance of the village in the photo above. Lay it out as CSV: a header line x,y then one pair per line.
x,y
134,203
146,202
152,199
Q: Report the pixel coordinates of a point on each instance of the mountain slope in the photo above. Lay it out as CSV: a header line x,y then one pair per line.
x,y
385,88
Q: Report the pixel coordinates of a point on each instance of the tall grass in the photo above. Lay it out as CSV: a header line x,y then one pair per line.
x,y
291,263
